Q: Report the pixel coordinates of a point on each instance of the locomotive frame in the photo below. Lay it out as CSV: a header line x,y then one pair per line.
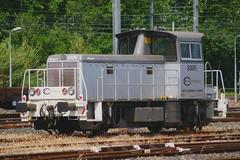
x,y
157,81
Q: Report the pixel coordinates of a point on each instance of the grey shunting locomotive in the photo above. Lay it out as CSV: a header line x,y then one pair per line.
x,y
157,80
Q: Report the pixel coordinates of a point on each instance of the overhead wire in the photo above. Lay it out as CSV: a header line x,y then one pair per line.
x,y
75,20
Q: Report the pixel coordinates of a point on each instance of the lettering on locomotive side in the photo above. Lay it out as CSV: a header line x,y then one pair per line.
x,y
191,67
187,81
192,90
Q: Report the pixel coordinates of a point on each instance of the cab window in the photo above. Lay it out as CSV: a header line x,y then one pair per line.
x,y
127,45
195,49
150,44
131,44
185,50
165,46
123,46
190,51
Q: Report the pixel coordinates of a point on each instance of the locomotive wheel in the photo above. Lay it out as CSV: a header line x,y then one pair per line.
x,y
103,126
154,129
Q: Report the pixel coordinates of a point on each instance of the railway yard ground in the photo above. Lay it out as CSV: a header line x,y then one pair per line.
x,y
219,140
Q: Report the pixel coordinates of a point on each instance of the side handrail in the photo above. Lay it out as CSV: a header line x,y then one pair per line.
x,y
207,64
84,84
23,83
221,78
222,81
29,71
140,83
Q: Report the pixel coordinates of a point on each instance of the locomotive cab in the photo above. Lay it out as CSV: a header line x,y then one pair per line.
x,y
181,51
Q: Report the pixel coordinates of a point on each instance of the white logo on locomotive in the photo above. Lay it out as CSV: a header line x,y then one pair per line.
x,y
46,91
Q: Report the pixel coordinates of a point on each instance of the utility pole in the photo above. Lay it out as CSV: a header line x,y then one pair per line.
x,y
195,15
235,67
10,53
238,82
116,16
151,14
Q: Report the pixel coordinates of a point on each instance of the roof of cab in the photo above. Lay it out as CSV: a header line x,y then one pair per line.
x,y
176,34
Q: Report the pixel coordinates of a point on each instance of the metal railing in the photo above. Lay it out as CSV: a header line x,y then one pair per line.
x,y
215,76
42,75
100,82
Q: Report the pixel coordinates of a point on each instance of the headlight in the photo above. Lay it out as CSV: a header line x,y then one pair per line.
x,y
64,91
31,91
71,91
38,92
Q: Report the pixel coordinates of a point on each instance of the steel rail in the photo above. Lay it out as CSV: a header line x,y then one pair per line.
x,y
15,125
109,134
186,138
228,119
12,120
131,151
10,115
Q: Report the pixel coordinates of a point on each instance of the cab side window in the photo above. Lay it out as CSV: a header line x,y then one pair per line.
x,y
195,49
190,51
185,50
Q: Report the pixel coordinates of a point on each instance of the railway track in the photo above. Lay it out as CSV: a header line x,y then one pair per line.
x,y
193,137
233,109
199,137
228,119
147,135
137,150
233,115
12,120
233,112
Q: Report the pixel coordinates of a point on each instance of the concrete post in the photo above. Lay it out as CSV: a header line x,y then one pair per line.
x,y
195,15
116,17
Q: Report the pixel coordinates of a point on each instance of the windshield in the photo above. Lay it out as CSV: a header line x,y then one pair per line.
x,y
127,45
149,44
165,46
